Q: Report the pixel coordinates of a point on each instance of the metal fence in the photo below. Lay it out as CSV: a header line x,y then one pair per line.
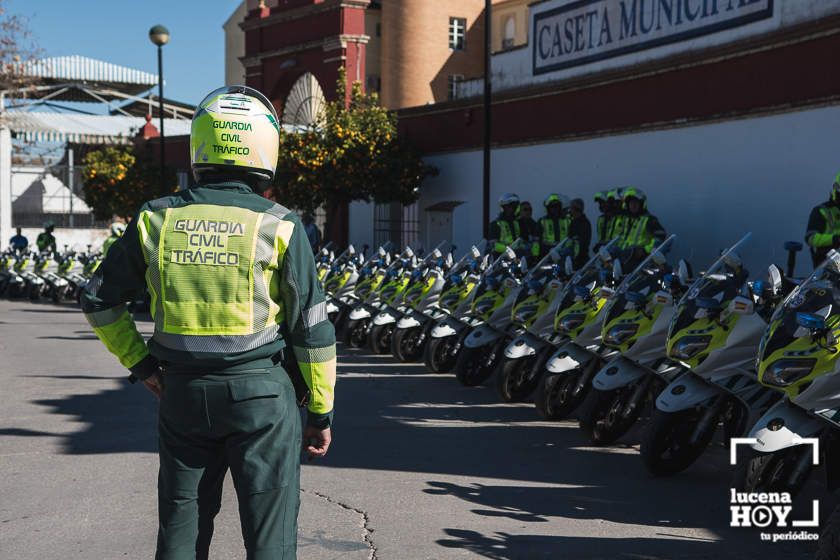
x,y
43,194
396,223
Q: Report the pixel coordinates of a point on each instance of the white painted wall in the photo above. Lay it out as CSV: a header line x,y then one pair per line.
x,y
708,184
360,230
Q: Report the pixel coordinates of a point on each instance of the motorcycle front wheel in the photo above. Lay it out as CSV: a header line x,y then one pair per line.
x,y
473,366
355,334
438,355
828,547
516,379
555,398
601,416
774,472
406,345
667,448
379,338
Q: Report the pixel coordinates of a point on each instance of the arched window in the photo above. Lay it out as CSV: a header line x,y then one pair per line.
x,y
305,103
510,33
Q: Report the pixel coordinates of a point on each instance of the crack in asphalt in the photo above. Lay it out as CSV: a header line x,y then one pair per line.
x,y
364,515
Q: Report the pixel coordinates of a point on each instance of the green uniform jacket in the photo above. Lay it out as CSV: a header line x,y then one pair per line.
x,y
823,225
503,233
45,241
232,282
643,231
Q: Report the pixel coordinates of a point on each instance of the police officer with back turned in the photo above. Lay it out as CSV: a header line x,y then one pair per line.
x,y
236,304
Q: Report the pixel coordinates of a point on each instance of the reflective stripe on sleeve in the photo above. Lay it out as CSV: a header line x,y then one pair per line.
x,y
105,317
314,315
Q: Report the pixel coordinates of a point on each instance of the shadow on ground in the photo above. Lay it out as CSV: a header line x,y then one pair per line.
x,y
117,420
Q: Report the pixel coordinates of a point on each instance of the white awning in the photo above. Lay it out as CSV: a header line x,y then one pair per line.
x,y
82,129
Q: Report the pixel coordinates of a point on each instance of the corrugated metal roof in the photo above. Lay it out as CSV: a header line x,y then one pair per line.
x,y
82,68
83,129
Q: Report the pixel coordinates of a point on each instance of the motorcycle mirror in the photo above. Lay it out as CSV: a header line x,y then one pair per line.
x,y
604,254
774,276
510,254
742,305
732,260
449,261
436,254
476,254
332,254
408,252
684,272
351,249
658,257
616,270
569,266
811,321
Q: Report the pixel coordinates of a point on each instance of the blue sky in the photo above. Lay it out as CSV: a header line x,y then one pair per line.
x,y
117,31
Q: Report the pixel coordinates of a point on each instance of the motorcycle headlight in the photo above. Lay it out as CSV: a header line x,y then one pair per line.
x,y
689,346
571,322
620,333
782,373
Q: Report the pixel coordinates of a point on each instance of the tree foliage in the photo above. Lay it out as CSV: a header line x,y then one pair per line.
x,y
17,47
117,181
352,154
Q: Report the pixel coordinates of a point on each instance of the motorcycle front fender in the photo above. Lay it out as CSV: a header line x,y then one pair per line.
x,y
408,322
569,359
684,392
482,336
524,346
358,313
618,373
448,327
386,317
783,425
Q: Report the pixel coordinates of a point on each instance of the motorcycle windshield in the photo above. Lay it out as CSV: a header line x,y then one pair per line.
x,y
800,342
727,261
629,314
826,272
653,264
700,323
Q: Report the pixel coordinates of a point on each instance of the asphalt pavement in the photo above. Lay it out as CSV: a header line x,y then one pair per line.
x,y
420,468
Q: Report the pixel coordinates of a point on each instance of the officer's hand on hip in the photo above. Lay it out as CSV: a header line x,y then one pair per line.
x,y
316,441
154,385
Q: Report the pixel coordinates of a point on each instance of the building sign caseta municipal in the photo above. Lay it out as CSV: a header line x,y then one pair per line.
x,y
589,30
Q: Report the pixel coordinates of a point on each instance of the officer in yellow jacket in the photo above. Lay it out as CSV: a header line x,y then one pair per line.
x,y
641,230
236,305
823,232
505,229
117,229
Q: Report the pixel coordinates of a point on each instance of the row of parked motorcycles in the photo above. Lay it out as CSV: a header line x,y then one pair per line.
x,y
51,275
623,338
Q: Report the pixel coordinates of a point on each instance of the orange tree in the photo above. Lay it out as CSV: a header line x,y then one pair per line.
x,y
117,182
352,154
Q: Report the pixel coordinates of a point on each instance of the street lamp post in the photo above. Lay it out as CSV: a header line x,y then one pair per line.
x,y
488,93
159,35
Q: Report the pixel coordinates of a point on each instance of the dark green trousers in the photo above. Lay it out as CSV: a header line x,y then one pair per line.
x,y
246,422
